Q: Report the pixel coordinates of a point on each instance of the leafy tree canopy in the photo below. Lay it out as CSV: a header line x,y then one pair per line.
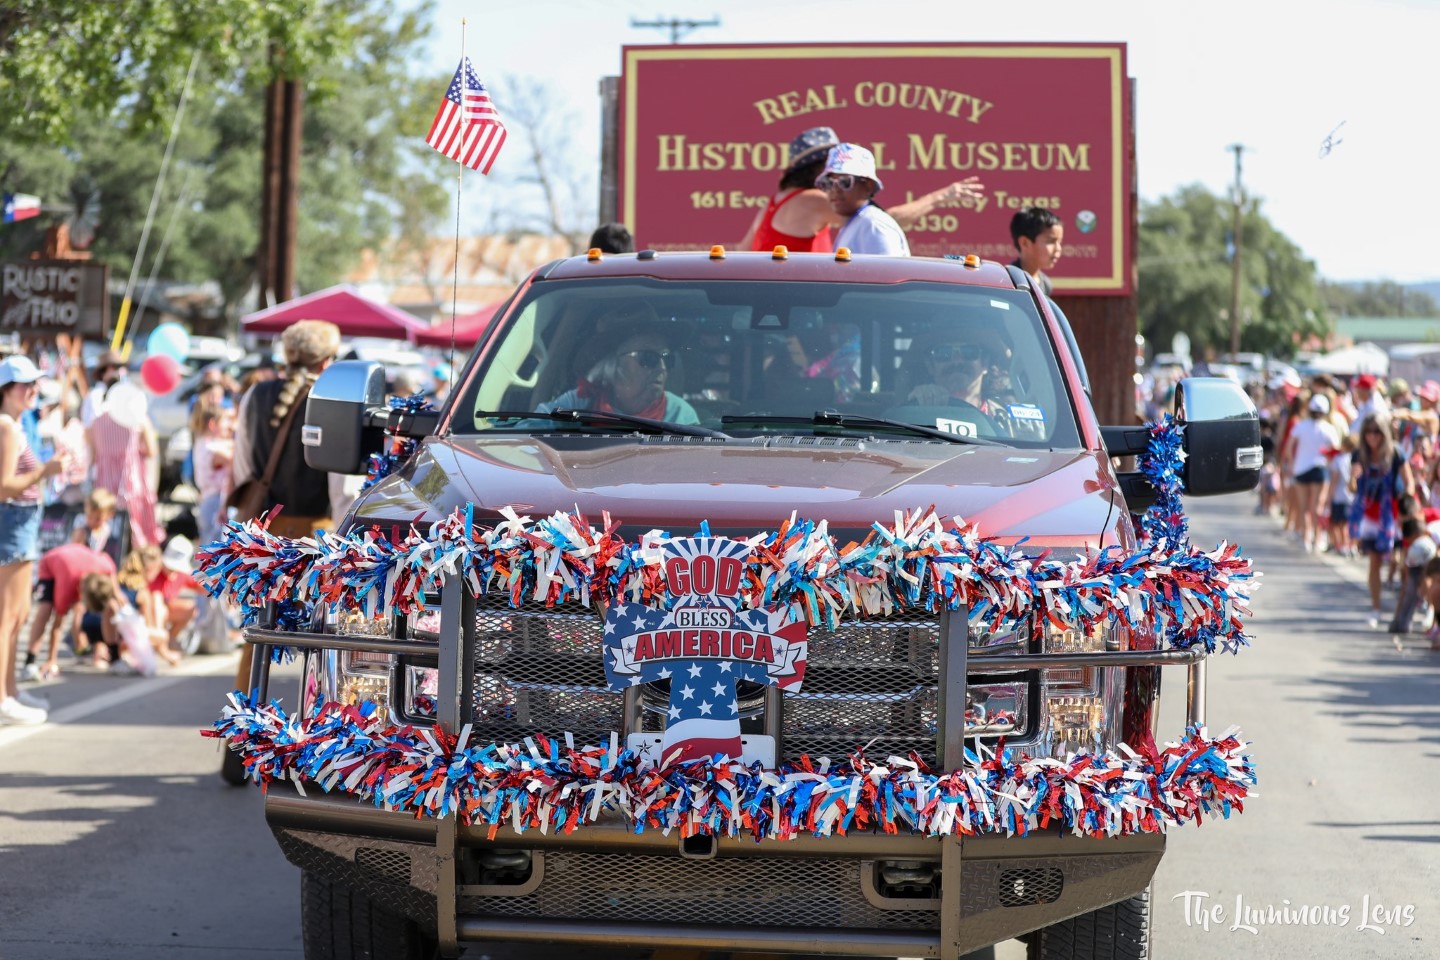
x,y
1185,253
366,174
1383,299
64,61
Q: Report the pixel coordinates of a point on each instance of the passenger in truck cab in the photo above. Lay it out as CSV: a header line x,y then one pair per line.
x,y
635,355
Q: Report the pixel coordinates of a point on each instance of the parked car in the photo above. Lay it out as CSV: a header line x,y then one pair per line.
x,y
170,412
809,385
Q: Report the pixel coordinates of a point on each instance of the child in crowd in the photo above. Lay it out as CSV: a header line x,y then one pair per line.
x,y
1420,548
103,603
212,426
1341,495
96,526
1269,480
139,570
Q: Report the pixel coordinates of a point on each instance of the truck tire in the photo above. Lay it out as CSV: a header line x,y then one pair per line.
x,y
1120,931
337,923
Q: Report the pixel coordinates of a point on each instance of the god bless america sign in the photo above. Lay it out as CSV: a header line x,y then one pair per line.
x,y
704,646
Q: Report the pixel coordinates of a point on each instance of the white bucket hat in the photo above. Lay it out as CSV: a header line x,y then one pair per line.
x,y
853,159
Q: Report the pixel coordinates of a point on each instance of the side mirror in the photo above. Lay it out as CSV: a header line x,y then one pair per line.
x,y
1222,436
1222,442
340,429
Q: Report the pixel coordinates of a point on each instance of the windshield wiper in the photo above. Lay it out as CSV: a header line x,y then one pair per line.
x,y
597,418
830,418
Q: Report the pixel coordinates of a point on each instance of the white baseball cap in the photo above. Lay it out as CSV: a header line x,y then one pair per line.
x,y
18,369
853,159
179,555
1320,403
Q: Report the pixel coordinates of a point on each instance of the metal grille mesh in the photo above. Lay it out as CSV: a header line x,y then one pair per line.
x,y
542,671
391,865
761,892
1024,888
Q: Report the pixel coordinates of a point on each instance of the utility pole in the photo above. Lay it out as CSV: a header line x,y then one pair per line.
x,y
1238,196
677,27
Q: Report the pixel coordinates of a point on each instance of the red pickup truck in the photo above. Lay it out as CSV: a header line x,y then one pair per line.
x,y
735,394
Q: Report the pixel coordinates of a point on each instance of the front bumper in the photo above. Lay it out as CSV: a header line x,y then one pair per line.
x,y
607,886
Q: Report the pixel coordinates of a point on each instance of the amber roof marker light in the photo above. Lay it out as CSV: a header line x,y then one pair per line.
x,y
717,252
781,252
842,255
594,255
972,261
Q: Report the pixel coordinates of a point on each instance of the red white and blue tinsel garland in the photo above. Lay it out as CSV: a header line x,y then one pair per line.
x,y
552,785
917,563
397,449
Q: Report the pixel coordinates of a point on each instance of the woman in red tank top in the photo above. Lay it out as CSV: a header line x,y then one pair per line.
x,y
799,215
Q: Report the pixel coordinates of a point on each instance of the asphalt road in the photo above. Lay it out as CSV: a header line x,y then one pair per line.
x,y
118,841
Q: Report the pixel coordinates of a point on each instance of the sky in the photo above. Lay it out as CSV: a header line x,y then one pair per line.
x,y
1278,76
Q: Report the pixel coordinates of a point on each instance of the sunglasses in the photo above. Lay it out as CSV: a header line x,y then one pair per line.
x,y
836,181
650,359
964,351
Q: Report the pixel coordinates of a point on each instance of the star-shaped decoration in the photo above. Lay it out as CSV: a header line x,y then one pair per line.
x,y
687,692
725,666
640,621
609,628
664,673
719,689
734,706
705,708
674,713
694,669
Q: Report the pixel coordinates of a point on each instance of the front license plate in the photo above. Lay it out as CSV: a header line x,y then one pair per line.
x,y
755,747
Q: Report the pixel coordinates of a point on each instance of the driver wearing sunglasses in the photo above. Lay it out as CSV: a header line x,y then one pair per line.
x,y
969,374
631,375
850,184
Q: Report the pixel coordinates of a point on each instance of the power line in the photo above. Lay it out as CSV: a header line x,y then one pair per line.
x,y
677,26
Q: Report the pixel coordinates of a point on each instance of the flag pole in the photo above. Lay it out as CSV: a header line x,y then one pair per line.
x,y
459,191
118,341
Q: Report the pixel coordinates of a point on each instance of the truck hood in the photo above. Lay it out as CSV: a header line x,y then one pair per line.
x,y
1056,498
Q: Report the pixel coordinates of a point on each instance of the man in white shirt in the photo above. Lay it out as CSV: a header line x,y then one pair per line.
x,y
850,184
1368,400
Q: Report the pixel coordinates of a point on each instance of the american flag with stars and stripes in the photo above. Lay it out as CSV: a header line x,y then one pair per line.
x,y
703,664
467,126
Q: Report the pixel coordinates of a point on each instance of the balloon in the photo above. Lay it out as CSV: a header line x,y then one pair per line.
x,y
126,404
168,340
160,373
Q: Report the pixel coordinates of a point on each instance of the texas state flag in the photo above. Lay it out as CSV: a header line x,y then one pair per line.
x,y
20,206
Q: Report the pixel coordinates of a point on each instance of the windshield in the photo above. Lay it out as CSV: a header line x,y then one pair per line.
x,y
968,362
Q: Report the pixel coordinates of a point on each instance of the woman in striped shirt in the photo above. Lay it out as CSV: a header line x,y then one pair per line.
x,y
21,474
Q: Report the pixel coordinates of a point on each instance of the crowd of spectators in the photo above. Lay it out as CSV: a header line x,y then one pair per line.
x,y
1352,468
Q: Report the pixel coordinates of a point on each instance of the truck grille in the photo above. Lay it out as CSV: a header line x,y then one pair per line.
x,y
869,682
771,892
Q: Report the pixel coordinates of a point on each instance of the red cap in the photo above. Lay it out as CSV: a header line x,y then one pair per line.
x,y
1366,381
1429,390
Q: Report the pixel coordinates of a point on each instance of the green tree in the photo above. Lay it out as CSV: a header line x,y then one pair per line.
x,y
1385,298
63,61
366,173
1185,277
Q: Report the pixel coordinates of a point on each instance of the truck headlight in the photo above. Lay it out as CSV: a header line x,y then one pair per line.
x,y
1081,703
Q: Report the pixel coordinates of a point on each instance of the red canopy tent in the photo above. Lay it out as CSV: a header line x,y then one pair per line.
x,y
469,328
343,306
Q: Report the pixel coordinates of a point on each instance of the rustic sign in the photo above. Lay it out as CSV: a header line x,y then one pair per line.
x,y
42,298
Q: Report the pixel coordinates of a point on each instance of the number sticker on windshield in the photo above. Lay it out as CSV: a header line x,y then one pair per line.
x,y
1027,411
961,428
